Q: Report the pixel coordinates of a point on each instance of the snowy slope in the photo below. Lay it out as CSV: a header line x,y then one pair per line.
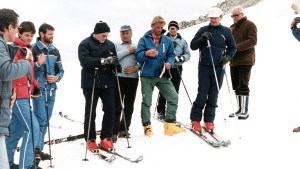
x,y
265,140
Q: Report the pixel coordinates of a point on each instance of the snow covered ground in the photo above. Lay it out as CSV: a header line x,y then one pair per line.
x,y
264,140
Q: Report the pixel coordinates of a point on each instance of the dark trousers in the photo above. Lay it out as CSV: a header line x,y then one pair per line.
x,y
207,95
108,101
240,76
176,78
128,87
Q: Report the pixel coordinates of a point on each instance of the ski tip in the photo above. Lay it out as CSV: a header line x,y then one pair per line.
x,y
215,144
140,158
228,142
111,159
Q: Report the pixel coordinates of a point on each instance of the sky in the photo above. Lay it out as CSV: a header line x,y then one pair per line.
x,y
75,20
264,140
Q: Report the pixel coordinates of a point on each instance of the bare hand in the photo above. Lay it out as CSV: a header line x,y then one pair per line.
x,y
151,52
13,98
130,70
131,49
29,56
52,79
168,66
41,59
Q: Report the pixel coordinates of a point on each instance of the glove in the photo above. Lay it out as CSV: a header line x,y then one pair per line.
x,y
295,22
224,59
206,36
26,52
119,68
56,68
36,93
109,60
179,59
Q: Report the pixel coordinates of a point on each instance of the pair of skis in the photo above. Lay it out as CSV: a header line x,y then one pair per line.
x,y
109,159
97,152
215,142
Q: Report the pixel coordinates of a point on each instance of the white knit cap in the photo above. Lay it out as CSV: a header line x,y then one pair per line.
x,y
215,12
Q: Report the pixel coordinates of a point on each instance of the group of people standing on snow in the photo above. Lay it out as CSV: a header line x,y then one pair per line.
x,y
114,69
28,75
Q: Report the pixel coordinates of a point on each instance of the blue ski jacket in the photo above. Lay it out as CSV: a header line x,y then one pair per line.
x,y
152,66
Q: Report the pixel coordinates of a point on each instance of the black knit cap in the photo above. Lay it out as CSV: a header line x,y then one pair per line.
x,y
173,23
101,27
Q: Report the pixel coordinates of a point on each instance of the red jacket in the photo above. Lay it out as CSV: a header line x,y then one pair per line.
x,y
21,85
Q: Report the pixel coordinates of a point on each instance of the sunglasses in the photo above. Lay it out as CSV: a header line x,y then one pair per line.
x,y
172,29
235,15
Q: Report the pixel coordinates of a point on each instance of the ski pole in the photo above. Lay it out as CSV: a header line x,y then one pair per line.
x,y
158,95
236,121
90,117
47,113
31,122
122,107
216,78
184,87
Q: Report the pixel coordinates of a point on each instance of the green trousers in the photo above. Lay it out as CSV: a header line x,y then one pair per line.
x,y
167,89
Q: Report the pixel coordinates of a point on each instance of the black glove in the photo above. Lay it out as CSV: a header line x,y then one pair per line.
x,y
119,68
23,51
179,59
206,36
36,93
56,68
224,59
296,21
109,60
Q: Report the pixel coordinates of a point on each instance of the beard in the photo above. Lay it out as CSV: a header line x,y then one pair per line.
x,y
48,40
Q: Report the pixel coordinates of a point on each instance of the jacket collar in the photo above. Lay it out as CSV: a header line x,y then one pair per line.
x,y
40,45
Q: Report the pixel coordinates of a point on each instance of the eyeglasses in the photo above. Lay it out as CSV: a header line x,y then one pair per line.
x,y
172,29
235,15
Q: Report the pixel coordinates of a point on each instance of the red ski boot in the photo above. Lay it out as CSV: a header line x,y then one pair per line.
x,y
196,126
107,144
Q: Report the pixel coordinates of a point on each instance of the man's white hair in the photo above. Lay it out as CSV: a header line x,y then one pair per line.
x,y
239,8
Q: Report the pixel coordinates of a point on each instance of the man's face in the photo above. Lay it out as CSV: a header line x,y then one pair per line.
x,y
157,28
173,31
126,36
101,37
48,36
236,15
26,37
215,21
12,31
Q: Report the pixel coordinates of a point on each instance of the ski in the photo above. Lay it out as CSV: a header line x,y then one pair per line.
x,y
137,160
216,137
201,135
68,138
68,118
108,159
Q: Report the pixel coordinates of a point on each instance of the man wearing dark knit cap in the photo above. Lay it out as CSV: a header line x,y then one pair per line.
x,y
97,56
182,52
